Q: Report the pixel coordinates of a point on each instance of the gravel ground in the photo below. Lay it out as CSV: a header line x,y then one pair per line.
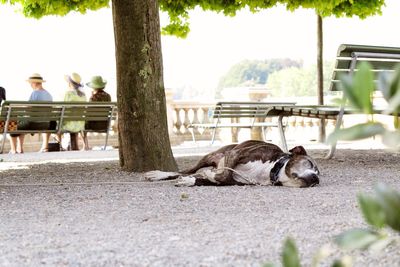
x,y
90,213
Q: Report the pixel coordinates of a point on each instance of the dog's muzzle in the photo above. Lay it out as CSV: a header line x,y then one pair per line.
x,y
311,180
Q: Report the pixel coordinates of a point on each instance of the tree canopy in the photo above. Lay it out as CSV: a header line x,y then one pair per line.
x,y
39,8
178,10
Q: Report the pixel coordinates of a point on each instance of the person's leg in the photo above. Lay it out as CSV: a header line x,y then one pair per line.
x,y
74,141
13,144
45,143
58,137
20,147
85,141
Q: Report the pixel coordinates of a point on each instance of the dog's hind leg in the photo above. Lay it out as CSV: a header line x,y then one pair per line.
x,y
196,179
160,175
225,169
210,160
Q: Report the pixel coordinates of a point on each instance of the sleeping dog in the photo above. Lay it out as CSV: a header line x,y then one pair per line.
x,y
249,163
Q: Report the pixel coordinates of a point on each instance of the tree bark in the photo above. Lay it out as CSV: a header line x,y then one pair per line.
x,y
143,131
320,74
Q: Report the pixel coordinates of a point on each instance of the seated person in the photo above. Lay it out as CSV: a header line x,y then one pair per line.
x,y
39,94
72,94
2,94
98,85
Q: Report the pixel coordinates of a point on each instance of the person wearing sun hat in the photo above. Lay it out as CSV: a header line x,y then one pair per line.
x,y
73,93
98,84
38,94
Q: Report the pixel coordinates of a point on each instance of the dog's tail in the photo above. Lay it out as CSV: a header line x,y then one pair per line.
x,y
160,175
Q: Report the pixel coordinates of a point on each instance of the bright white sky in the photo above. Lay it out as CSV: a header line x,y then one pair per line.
x,y
55,46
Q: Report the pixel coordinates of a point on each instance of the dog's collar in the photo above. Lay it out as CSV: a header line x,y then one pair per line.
x,y
274,174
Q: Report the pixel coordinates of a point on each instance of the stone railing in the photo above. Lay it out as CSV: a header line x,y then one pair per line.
x,y
182,113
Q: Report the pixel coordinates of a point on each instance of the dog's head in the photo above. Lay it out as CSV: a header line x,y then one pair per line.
x,y
298,170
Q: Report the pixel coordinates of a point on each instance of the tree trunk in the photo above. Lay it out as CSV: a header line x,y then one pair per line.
x,y
320,74
143,131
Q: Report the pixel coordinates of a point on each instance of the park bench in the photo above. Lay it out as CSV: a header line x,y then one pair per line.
x,y
12,112
382,59
239,115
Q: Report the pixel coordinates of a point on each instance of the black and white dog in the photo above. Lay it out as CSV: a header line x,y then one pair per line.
x,y
249,163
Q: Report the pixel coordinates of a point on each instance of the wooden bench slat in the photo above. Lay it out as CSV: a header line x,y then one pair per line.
x,y
345,50
45,111
376,64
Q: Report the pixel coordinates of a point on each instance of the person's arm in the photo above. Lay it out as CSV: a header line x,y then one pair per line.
x,y
67,97
33,97
2,94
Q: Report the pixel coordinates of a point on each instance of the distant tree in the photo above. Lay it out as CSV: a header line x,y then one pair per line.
x,y
297,81
255,71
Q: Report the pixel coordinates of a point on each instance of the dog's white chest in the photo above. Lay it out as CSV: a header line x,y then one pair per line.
x,y
253,172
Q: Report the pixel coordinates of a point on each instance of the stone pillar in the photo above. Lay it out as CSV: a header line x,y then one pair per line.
x,y
257,95
169,94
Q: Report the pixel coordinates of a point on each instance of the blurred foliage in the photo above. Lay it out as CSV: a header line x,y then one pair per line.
x,y
381,212
358,95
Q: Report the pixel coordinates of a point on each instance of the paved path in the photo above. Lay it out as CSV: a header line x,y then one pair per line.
x,y
86,212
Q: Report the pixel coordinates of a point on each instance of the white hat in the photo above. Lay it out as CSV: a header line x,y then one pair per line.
x,y
74,78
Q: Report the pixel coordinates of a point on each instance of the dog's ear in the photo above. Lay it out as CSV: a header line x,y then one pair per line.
x,y
298,150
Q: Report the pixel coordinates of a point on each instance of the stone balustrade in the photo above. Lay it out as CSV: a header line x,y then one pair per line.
x,y
182,113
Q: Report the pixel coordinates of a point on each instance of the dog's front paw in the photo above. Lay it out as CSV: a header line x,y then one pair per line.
x,y
186,181
158,175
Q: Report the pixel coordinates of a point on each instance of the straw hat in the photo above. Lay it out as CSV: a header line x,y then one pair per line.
x,y
74,78
35,78
97,82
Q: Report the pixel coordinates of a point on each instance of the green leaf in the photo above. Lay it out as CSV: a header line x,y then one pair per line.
x,y
358,88
394,82
364,86
394,104
380,244
349,91
356,132
388,83
391,139
338,263
269,265
389,200
322,253
356,239
345,261
290,256
372,211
